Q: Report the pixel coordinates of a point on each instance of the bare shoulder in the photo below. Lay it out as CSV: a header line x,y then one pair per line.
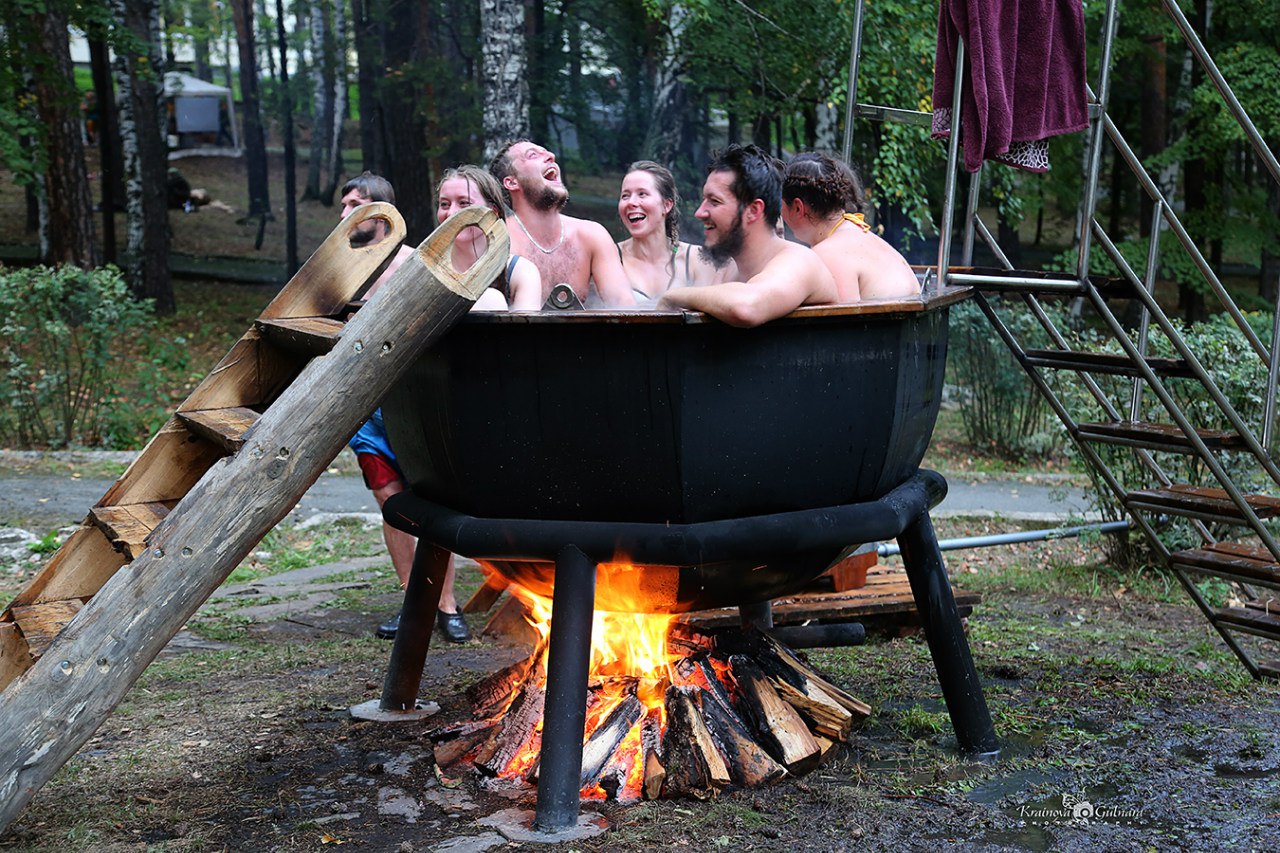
x,y
590,234
806,271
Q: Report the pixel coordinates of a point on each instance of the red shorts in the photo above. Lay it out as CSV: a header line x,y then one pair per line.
x,y
378,470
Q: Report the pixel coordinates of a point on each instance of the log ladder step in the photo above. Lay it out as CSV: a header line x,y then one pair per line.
x,y
1156,436
223,427
1247,563
1198,502
129,526
40,623
1104,362
307,335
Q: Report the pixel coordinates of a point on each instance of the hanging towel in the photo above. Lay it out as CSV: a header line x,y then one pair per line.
x,y
1026,79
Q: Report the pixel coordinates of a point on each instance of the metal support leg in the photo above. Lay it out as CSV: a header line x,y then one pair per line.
x,y
568,659
947,644
758,616
417,619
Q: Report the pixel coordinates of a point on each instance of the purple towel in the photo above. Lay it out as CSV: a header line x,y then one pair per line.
x,y
1026,77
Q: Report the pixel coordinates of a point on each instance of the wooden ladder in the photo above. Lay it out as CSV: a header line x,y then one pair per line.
x,y
232,461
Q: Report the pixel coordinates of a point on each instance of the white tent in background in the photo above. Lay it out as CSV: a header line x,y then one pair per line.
x,y
202,117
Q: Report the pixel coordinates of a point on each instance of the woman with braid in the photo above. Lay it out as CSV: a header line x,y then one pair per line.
x,y
822,202
654,258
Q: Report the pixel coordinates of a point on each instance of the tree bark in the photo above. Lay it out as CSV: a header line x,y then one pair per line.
x,y
321,91
290,158
369,59
111,166
142,133
338,102
404,127
1154,94
255,142
666,123
506,86
66,181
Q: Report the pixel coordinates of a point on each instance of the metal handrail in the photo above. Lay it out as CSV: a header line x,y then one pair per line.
x,y
1095,141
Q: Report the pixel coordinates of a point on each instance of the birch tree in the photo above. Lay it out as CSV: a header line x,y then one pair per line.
x,y
504,65
255,142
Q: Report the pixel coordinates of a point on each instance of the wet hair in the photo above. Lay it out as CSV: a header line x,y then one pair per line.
x,y
756,175
826,185
371,186
501,166
483,180
666,184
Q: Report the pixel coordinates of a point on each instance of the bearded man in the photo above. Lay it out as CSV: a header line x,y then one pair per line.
x,y
741,203
566,250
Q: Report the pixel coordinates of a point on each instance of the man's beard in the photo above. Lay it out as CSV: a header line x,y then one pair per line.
x,y
727,247
547,197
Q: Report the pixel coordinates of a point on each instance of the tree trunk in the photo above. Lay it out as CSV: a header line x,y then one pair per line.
x,y
255,142
1269,272
321,113
142,132
404,128
368,60
1190,298
1154,93
290,158
66,181
669,102
339,102
506,85
825,134
111,168
535,29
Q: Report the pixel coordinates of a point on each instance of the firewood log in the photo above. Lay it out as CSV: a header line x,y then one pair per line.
x,y
449,752
777,725
685,640
518,727
825,715
651,754
750,766
655,775
697,670
600,747
491,694
787,664
694,766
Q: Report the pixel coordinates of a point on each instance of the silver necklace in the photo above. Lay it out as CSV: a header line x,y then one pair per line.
x,y
535,243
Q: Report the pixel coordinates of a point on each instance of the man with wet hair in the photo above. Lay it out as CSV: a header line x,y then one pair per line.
x,y
566,250
741,203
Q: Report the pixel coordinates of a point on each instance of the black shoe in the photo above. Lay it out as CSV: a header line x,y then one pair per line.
x,y
452,627
387,630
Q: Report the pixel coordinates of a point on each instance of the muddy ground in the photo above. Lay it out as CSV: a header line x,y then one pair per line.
x,y
1105,690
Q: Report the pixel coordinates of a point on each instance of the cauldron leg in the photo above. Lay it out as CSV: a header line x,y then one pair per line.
x,y
758,616
417,618
568,660
947,644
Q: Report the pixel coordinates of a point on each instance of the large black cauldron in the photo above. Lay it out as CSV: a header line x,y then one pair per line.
x,y
657,417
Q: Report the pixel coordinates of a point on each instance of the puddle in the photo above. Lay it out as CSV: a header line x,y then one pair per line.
x,y
993,790
1235,771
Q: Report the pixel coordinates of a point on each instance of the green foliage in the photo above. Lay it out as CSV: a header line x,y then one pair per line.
x,y
61,331
1002,411
48,543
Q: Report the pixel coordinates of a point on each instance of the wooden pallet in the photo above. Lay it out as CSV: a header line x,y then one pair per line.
x,y
232,462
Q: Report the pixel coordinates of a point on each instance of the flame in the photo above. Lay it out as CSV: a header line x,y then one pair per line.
x,y
629,654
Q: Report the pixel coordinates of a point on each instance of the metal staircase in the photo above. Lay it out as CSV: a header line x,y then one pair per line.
x,y
1205,481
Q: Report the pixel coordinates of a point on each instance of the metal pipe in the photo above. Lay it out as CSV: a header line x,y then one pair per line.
x,y
413,637
851,96
875,112
821,636
1149,284
953,158
1064,285
1095,142
970,214
890,550
565,718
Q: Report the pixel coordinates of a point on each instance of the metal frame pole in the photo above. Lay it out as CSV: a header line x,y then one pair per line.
x,y
568,661
953,156
851,96
970,214
413,637
1095,143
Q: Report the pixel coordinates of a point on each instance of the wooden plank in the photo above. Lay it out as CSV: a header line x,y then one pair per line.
x,y
224,427
487,595
171,463
1157,435
307,335
251,375
78,569
129,526
1253,621
1248,563
1184,499
1104,362
49,713
40,623
15,658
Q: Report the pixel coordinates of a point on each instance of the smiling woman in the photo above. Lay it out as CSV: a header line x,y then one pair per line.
x,y
654,258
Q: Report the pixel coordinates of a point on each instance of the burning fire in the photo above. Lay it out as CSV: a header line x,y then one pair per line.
x,y
629,657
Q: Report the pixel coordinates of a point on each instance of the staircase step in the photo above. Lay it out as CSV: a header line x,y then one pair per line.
x,y
1156,436
1250,620
1199,502
40,623
1248,563
129,526
224,427
1104,362
307,335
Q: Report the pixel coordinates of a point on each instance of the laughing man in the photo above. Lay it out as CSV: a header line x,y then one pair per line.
x,y
741,203
564,249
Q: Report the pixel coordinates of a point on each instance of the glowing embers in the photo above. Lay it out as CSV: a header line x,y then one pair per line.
x,y
670,712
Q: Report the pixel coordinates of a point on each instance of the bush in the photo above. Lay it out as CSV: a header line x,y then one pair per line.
x,y
60,333
1001,410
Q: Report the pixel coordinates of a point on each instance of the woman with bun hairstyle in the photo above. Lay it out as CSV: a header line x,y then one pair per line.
x,y
822,203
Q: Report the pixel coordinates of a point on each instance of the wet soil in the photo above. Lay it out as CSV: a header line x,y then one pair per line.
x,y
1123,722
